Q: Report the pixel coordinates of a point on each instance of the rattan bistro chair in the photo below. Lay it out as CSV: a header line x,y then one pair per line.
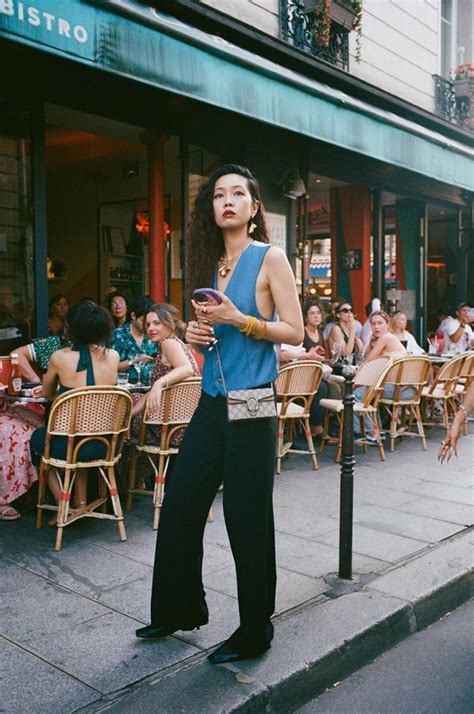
x,y
465,379
369,375
97,414
177,406
406,372
443,390
296,386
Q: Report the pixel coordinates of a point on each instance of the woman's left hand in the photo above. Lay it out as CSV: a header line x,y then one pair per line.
x,y
225,313
154,397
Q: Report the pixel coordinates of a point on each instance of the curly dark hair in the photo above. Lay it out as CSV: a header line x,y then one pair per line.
x,y
205,244
89,324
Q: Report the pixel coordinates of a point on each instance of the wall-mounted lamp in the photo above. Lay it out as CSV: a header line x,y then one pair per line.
x,y
293,185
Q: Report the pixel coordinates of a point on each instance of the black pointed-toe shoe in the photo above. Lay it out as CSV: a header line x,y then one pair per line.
x,y
156,631
226,653
151,631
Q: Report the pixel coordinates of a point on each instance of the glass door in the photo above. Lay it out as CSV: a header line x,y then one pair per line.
x,y
17,271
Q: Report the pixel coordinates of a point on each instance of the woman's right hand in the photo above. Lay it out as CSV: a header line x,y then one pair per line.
x,y
199,334
314,353
352,325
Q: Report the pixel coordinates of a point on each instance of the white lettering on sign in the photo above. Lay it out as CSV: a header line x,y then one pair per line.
x,y
36,18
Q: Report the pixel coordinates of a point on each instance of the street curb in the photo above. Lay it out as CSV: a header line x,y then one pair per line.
x,y
301,687
320,644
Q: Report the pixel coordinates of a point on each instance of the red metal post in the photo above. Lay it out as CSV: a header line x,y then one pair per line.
x,y
157,219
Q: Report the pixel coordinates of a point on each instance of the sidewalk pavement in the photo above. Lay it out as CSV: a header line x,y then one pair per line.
x,y
68,621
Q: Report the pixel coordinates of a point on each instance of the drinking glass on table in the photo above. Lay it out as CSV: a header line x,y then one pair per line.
x,y
138,364
122,379
335,352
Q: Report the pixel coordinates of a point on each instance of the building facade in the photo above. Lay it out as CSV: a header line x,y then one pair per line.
x,y
113,113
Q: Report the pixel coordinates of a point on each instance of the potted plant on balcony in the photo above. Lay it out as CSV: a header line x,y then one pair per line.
x,y
347,14
462,77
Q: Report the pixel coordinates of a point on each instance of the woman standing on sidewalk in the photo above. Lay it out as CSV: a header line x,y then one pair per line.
x,y
227,248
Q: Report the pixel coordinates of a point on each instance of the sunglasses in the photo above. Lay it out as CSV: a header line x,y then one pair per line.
x,y
346,309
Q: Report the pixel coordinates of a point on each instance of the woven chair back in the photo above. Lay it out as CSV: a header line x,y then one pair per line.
x,y
299,380
410,371
448,375
4,369
90,411
467,366
178,403
369,372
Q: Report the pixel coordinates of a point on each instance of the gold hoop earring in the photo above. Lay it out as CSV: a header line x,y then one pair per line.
x,y
252,228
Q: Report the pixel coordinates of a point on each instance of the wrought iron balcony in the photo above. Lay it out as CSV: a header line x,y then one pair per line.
x,y
297,28
447,105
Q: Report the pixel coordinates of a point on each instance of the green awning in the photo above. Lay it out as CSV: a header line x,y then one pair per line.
x,y
136,41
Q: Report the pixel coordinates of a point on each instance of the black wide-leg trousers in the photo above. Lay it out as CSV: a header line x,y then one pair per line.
x,y
242,456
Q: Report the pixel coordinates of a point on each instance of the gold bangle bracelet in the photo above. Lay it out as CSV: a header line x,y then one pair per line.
x,y
260,332
250,325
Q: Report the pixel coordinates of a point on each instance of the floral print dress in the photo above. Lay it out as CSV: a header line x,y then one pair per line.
x,y
17,473
153,434
17,423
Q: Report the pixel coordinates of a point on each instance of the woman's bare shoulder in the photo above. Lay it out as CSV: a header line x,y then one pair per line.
x,y
274,255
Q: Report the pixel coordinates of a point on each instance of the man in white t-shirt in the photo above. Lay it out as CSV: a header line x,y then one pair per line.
x,y
458,334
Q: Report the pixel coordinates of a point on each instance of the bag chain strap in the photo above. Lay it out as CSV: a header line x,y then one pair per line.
x,y
219,362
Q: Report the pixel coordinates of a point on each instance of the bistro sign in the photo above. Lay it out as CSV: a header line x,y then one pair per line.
x,y
30,19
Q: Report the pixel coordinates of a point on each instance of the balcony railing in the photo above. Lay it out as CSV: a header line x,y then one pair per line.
x,y
447,105
297,28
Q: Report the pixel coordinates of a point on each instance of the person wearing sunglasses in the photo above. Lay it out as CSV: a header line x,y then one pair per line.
x,y
117,304
343,339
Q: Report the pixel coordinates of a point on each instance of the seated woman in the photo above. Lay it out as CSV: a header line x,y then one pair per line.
x,y
398,327
313,317
312,348
132,344
87,362
57,311
343,341
17,424
174,362
382,344
117,304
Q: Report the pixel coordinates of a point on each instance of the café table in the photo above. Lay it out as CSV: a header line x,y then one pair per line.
x,y
22,398
135,388
440,359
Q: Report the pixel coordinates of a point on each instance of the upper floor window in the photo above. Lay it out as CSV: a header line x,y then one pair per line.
x,y
448,58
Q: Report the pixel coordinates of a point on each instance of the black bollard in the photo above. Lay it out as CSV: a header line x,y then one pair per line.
x,y
347,478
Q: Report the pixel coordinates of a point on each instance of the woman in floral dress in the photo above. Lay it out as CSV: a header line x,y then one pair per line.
x,y
17,423
175,361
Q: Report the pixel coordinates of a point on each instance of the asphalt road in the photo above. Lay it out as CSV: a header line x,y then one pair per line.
x,y
430,672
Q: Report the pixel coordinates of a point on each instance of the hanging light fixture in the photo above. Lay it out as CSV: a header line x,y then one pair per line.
x,y
293,185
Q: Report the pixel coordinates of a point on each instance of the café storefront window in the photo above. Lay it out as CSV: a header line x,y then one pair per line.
x,y
16,232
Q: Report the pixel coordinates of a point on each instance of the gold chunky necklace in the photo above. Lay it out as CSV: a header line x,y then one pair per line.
x,y
226,264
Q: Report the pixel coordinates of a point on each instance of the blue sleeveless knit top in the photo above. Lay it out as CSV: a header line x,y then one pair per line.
x,y
246,362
